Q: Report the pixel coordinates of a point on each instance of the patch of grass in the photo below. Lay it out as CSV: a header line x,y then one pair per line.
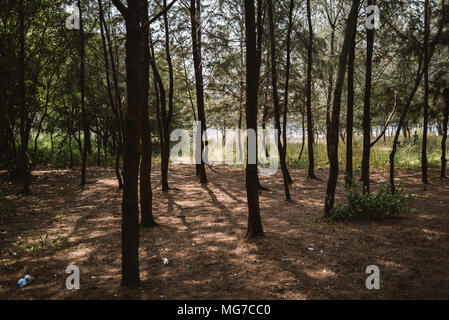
x,y
59,215
379,205
36,246
408,155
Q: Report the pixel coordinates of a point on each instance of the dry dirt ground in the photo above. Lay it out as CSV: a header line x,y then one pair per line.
x,y
202,235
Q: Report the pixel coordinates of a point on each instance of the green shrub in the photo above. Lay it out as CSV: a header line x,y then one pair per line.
x,y
379,205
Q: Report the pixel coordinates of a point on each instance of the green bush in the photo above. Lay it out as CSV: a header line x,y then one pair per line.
x,y
379,205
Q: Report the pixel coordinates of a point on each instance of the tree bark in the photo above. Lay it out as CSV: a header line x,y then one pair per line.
x,y
367,108
336,106
281,146
254,219
110,95
311,170
443,142
86,134
195,18
350,112
286,98
167,116
137,90
426,93
25,170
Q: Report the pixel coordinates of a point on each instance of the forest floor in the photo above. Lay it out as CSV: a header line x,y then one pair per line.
x,y
202,234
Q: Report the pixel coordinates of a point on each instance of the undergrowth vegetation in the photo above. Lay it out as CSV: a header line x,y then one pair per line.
x,y
378,205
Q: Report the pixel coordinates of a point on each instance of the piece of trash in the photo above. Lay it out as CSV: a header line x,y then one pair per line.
x,y
321,251
161,296
311,249
4,232
235,274
165,261
153,257
93,277
24,281
193,244
21,283
287,259
324,270
188,268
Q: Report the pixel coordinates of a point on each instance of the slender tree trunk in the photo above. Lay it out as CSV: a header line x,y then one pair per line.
x,y
254,219
335,120
367,108
443,142
167,116
311,170
115,112
401,121
281,147
195,17
286,98
264,127
118,104
259,47
137,88
350,111
146,193
25,170
303,136
70,151
239,136
82,91
426,93
98,147
419,76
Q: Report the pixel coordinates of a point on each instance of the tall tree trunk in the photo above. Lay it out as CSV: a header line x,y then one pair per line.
x,y
254,219
259,46
167,116
443,141
336,106
350,111
303,136
137,89
117,96
311,170
287,79
25,170
82,91
281,147
115,112
401,121
332,19
146,193
195,18
367,108
419,76
426,92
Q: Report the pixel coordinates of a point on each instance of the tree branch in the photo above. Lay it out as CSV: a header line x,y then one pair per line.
x,y
120,7
159,14
387,123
